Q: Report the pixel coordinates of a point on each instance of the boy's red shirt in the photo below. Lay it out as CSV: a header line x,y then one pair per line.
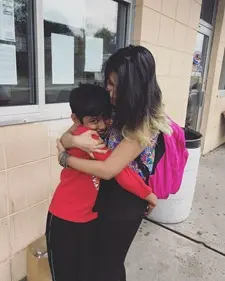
x,y
76,193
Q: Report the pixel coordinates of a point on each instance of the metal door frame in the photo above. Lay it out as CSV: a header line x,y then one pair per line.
x,y
206,31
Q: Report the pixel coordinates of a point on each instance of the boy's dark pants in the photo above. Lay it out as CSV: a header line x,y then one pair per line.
x,y
70,249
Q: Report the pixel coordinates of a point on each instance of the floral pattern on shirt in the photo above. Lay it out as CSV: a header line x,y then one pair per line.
x,y
147,156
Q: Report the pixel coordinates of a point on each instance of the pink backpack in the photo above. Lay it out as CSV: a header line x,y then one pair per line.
x,y
170,159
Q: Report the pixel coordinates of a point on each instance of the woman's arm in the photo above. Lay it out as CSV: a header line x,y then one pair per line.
x,y
124,153
126,178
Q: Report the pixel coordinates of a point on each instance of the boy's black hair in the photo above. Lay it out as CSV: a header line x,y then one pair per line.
x,y
90,100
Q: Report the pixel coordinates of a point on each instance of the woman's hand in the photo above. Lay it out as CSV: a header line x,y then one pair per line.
x,y
84,141
87,143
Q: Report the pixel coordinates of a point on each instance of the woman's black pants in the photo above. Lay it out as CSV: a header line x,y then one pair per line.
x,y
114,238
120,215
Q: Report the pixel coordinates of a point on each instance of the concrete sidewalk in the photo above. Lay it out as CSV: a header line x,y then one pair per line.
x,y
207,220
159,254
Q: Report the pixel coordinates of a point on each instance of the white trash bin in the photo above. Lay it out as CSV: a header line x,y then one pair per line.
x,y
177,207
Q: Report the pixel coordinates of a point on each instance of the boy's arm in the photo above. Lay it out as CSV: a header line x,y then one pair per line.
x,y
128,179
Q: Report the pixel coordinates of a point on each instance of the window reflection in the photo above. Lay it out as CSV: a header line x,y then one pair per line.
x,y
16,34
78,19
207,10
222,75
198,68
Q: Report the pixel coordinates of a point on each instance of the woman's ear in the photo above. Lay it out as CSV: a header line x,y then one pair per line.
x,y
75,119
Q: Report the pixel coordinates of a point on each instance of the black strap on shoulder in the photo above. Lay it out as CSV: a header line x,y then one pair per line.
x,y
144,169
159,151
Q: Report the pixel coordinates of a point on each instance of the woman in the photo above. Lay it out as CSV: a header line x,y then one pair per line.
x,y
130,78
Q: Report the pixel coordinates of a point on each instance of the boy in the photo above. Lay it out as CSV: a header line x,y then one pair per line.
x,y
71,221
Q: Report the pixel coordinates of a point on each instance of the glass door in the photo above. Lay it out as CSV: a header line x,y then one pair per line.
x,y
200,64
198,78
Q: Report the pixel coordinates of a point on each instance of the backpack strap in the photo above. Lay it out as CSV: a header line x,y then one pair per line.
x,y
159,151
144,169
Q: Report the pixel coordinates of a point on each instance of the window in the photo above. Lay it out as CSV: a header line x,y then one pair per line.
x,y
207,10
79,37
47,47
222,78
17,85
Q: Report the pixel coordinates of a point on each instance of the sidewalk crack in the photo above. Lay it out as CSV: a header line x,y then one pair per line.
x,y
186,237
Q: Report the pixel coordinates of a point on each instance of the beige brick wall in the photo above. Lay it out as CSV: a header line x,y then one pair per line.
x,y
29,173
213,124
168,29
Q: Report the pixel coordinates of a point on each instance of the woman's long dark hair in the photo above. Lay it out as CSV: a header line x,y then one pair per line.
x,y
138,96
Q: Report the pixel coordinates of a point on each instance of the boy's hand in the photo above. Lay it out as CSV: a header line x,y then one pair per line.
x,y
152,202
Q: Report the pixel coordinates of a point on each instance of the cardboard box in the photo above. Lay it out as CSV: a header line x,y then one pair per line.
x,y
37,261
